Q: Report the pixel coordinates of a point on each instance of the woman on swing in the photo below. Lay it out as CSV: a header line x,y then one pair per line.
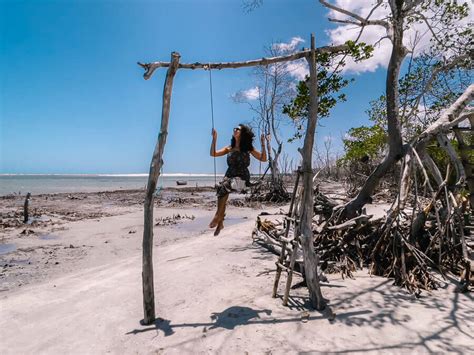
x,y
238,161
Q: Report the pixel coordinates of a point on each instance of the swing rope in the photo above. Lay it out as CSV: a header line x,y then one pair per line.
x,y
212,119
260,162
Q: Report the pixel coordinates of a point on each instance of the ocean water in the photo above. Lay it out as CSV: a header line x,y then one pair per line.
x,y
40,184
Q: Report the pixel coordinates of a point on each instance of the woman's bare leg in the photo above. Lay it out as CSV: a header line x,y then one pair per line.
x,y
215,220
221,202
221,205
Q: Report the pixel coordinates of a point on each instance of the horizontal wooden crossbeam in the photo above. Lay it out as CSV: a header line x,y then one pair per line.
x,y
305,53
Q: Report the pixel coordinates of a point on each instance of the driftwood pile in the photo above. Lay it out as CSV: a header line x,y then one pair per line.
x,y
426,233
269,191
171,220
414,249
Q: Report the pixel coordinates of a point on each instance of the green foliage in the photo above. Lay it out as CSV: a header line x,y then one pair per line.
x,y
421,105
329,85
444,17
447,86
359,51
366,142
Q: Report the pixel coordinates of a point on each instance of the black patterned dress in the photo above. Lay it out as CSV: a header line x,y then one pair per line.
x,y
238,166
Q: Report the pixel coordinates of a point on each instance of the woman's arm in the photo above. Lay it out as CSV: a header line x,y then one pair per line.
x,y
263,155
220,152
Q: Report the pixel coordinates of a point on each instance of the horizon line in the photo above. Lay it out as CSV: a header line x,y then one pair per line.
x,y
111,175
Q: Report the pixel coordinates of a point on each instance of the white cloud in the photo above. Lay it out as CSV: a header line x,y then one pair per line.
x,y
250,94
290,46
373,34
298,69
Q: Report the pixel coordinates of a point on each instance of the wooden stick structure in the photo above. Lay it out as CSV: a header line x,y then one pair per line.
x,y
156,163
420,238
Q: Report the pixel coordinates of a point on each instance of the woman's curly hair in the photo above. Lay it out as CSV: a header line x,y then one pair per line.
x,y
246,139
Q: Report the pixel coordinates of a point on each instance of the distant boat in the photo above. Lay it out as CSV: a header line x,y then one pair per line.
x,y
181,182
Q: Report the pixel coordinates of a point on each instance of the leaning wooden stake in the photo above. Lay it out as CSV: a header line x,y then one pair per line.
x,y
155,167
25,207
311,259
291,214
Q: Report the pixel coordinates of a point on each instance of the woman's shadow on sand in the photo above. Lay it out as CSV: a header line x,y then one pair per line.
x,y
227,319
235,316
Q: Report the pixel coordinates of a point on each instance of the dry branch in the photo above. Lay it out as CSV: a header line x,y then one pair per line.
x,y
451,117
358,20
151,67
358,221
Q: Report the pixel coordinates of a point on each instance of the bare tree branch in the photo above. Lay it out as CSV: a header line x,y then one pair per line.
x,y
358,37
345,22
446,145
444,68
411,4
362,21
451,116
151,67
427,23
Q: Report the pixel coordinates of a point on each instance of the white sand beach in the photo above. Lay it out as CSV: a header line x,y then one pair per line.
x,y
75,288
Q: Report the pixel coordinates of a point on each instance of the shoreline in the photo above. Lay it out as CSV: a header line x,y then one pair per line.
x,y
40,184
184,188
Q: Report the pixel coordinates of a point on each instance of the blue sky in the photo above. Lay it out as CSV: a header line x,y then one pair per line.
x,y
73,100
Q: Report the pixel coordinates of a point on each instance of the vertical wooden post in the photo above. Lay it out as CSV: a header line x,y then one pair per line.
x,y
25,207
155,168
311,259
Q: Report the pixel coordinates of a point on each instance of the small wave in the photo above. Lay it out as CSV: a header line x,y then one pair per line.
x,y
164,175
69,175
119,175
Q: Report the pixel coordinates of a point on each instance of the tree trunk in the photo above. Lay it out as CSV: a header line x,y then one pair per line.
x,y
275,169
276,174
395,142
155,168
311,259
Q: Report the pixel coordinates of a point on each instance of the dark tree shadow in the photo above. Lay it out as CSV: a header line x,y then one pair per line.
x,y
259,253
389,300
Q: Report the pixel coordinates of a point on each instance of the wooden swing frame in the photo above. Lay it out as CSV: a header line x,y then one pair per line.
x,y
305,228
